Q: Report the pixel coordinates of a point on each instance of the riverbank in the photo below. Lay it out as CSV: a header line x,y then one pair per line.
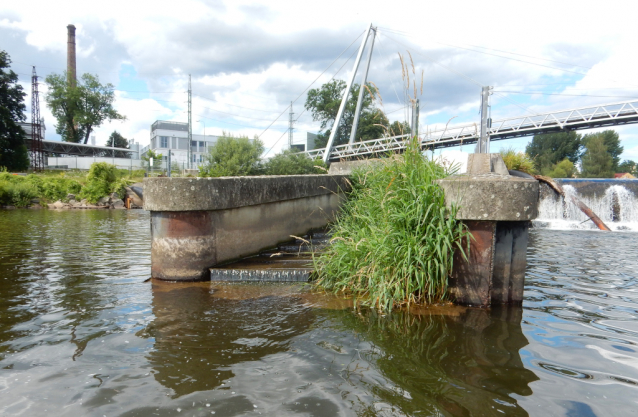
x,y
102,186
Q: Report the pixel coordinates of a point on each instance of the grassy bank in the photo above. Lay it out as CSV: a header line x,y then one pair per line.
x,y
101,180
393,242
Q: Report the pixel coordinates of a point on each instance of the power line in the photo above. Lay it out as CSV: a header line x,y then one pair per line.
x,y
564,94
462,75
234,105
491,49
315,80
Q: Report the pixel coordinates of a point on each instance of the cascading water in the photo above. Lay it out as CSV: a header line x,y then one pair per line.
x,y
617,207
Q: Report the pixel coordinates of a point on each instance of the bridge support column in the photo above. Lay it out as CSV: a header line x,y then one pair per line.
x,y
497,209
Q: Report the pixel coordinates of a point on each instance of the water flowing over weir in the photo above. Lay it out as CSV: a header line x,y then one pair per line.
x,y
616,204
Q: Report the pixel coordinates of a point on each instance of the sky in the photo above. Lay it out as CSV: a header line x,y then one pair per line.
x,y
248,60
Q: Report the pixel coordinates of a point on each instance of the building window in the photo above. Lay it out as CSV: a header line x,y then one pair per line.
x,y
202,145
163,142
194,158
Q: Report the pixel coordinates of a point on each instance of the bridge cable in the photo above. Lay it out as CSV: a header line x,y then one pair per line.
x,y
315,80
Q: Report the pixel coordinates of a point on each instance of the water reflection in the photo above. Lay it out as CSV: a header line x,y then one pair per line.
x,y
453,361
199,335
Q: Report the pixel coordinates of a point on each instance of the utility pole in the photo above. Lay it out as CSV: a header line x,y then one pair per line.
x,y
357,113
290,123
414,128
190,123
483,145
344,100
37,155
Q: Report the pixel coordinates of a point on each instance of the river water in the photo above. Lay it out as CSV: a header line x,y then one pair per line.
x,y
82,334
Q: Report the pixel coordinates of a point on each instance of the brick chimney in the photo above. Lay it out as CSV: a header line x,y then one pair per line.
x,y
70,57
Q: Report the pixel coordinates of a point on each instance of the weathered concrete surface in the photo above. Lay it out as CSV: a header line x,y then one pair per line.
x,y
192,194
496,209
482,163
346,167
242,217
492,196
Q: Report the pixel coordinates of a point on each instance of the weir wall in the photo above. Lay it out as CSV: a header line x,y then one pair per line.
x,y
197,223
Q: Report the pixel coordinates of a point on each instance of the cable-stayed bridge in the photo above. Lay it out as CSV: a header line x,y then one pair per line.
x,y
612,114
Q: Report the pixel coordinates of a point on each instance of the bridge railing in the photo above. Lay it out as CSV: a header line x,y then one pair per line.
x,y
579,118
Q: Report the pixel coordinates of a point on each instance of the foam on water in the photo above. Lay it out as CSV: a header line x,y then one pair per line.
x,y
618,208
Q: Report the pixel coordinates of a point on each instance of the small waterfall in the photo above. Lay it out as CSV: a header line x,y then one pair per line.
x,y
617,207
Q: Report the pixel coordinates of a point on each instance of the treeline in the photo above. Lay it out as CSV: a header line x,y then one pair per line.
x,y
570,154
237,156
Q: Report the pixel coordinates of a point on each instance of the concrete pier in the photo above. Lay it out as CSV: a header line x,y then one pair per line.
x,y
497,209
197,223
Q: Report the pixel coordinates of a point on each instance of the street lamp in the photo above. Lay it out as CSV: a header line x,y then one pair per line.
x,y
203,121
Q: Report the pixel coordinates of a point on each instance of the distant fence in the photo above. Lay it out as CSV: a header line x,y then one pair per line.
x,y
83,163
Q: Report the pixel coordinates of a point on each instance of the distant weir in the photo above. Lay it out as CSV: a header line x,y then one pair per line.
x,y
615,204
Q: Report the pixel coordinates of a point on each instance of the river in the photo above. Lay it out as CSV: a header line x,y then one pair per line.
x,y
83,334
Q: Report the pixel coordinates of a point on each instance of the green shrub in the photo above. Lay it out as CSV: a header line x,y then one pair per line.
x,y
563,169
292,163
20,193
99,181
119,187
394,238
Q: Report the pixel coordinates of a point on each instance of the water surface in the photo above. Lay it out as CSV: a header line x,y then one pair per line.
x,y
81,333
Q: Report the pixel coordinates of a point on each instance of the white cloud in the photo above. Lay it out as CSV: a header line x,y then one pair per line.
x,y
247,55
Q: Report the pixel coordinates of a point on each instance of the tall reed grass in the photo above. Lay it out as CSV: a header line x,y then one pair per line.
x,y
393,242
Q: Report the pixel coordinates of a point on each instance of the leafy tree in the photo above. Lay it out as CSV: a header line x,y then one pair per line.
x,y
324,104
157,158
628,166
597,162
232,156
117,140
293,163
13,151
398,128
548,149
80,109
563,169
611,140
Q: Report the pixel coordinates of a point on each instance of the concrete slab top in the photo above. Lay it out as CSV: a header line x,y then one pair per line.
x,y
492,196
195,194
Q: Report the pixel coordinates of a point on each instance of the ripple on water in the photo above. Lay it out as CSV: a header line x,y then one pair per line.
x,y
82,334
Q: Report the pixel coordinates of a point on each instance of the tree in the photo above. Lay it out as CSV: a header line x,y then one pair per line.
x,y
151,154
398,128
628,166
563,169
550,148
324,104
597,162
290,162
118,141
611,140
80,109
13,151
232,156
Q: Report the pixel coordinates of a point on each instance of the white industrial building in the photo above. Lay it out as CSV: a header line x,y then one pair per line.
x,y
173,137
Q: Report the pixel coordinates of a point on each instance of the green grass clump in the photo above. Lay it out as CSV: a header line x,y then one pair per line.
x,y
394,239
519,161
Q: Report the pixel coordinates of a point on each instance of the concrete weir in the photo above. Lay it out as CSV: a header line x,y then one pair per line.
x,y
497,209
197,223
